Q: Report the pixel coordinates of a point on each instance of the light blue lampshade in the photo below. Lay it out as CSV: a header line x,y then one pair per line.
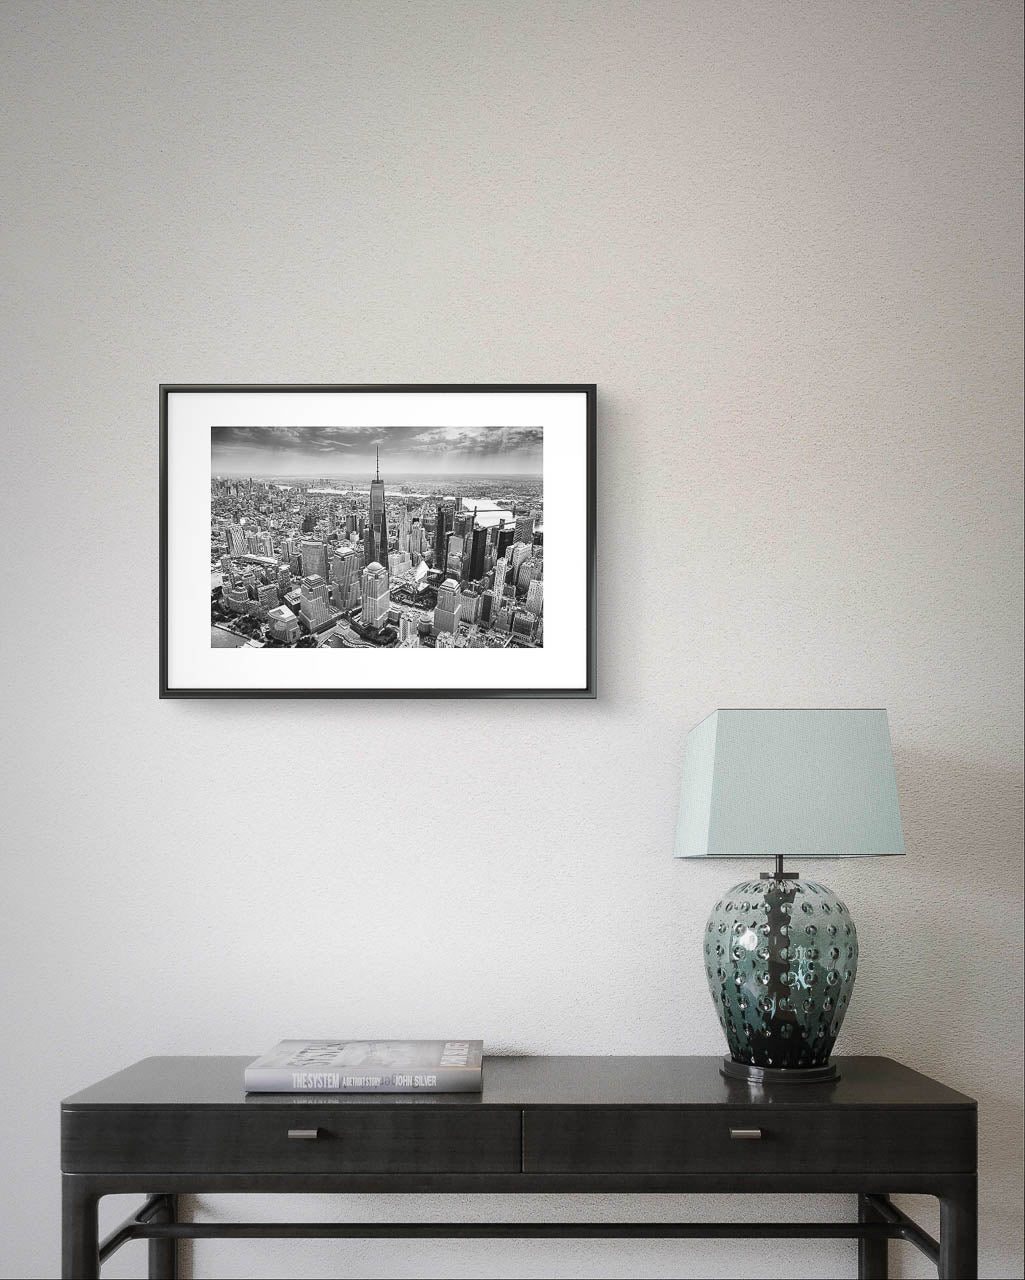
x,y
813,783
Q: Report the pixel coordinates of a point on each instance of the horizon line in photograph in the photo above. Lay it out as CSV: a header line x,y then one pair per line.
x,y
300,452
361,483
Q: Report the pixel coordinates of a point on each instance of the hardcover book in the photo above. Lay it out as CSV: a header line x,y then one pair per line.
x,y
368,1066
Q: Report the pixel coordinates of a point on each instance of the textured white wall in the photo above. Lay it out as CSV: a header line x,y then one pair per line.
x,y
784,240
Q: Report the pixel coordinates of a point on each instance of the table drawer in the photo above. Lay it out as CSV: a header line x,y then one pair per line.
x,y
293,1140
657,1140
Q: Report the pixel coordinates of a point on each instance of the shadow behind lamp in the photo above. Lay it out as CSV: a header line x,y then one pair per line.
x,y
780,952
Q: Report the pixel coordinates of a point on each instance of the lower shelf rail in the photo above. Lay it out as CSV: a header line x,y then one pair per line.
x,y
142,1226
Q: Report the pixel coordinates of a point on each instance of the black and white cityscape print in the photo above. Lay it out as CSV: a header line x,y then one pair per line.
x,y
357,537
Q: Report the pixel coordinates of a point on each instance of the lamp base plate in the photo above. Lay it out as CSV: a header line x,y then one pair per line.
x,y
778,1075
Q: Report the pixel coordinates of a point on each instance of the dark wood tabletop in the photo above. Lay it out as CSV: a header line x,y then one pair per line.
x,y
688,1082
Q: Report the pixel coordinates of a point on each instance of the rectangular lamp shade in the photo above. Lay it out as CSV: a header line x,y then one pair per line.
x,y
813,783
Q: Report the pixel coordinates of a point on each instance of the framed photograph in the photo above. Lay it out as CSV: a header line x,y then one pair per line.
x,y
377,541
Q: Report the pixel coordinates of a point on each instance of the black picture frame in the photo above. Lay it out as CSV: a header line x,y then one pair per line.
x,y
587,690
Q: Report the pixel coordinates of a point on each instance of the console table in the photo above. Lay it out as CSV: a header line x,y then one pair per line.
x,y
167,1127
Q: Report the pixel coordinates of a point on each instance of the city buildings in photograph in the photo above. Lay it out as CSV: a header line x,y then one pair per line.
x,y
353,537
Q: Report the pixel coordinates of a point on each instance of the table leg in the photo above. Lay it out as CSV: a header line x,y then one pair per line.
x,y
959,1233
80,1240
163,1254
873,1254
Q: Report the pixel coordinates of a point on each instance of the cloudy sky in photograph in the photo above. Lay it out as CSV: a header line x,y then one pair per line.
x,y
349,451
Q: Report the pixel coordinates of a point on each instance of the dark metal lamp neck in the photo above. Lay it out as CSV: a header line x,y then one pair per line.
x,y
777,873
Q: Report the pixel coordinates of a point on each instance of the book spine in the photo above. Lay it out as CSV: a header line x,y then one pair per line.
x,y
282,1080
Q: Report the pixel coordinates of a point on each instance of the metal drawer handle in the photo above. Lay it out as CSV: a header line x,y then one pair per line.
x,y
308,1135
750,1134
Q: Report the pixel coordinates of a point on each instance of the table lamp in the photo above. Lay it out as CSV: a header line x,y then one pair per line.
x,y
781,952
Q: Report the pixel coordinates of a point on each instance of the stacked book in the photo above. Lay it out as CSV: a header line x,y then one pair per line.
x,y
368,1066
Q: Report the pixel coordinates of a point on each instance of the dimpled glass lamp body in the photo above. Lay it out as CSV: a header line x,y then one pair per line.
x,y
781,956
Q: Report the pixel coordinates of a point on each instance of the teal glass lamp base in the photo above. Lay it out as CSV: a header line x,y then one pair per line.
x,y
781,956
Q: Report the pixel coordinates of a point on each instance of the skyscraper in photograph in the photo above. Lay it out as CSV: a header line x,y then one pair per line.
x,y
399,564
377,529
525,529
501,570
344,572
442,528
478,545
314,605
463,523
375,595
519,553
523,623
314,558
453,563
469,604
416,540
526,572
446,613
